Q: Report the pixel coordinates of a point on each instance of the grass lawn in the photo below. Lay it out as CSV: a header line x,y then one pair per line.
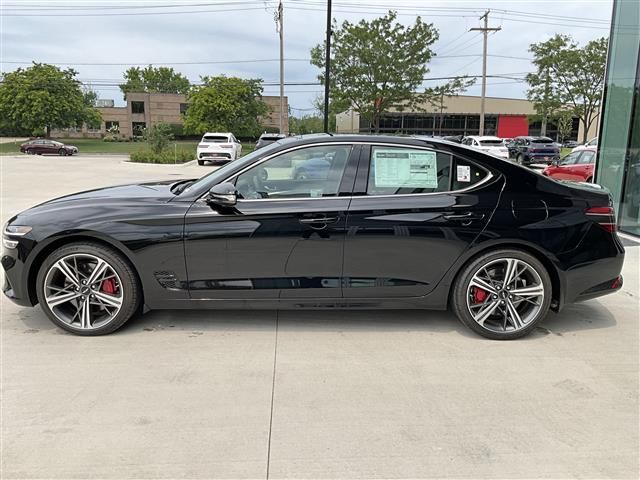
x,y
91,145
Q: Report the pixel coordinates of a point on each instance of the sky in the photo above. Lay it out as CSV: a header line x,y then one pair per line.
x,y
101,38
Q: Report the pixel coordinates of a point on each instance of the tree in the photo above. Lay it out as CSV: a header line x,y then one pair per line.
x,y
43,97
564,121
159,137
227,104
154,80
380,65
568,75
306,124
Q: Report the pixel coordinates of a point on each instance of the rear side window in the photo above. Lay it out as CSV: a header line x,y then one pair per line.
x,y
215,139
401,171
466,174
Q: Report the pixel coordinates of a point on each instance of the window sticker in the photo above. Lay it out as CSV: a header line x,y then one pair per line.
x,y
464,173
405,168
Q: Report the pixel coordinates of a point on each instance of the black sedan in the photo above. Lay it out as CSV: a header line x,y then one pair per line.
x,y
42,146
390,223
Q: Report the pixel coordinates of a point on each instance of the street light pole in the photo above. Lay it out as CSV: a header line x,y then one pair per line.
x,y
327,68
485,31
279,25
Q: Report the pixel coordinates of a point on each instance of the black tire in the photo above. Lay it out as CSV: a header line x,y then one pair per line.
x,y
460,288
590,180
62,152
29,151
520,159
201,162
130,284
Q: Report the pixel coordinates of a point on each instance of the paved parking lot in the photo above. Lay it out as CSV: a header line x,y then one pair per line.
x,y
405,394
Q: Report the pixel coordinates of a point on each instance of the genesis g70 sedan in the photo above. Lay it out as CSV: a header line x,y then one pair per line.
x,y
387,222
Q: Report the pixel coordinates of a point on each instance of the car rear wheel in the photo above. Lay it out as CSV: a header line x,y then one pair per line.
x,y
88,289
62,152
200,162
29,151
502,295
520,159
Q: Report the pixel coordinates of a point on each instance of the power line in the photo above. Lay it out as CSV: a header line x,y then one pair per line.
x,y
129,14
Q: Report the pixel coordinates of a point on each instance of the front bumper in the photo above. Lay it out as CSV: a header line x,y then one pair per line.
x,y
14,285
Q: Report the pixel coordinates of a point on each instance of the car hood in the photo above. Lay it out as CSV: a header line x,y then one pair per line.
x,y
117,195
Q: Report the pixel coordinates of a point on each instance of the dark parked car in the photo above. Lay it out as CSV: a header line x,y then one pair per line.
x,y
269,138
528,150
395,223
569,144
42,146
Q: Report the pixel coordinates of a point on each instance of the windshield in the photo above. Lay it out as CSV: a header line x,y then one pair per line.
x,y
221,173
215,139
541,140
491,143
270,139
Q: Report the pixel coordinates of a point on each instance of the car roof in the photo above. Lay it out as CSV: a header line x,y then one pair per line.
x,y
483,137
222,134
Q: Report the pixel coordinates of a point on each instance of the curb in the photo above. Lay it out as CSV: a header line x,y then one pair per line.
x,y
185,164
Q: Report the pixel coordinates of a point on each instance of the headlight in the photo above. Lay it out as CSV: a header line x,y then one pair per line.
x,y
13,231
16,230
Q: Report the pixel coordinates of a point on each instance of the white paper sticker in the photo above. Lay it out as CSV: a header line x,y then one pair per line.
x,y
400,168
464,173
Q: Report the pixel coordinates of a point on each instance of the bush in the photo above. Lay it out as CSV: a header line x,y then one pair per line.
x,y
168,156
159,137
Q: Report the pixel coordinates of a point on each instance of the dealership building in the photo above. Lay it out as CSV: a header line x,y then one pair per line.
x,y
460,115
618,163
144,110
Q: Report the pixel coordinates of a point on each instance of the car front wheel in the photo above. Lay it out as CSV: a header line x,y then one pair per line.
x,y
62,152
502,295
88,289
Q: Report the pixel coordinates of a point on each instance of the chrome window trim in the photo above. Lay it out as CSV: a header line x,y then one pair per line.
x,y
486,179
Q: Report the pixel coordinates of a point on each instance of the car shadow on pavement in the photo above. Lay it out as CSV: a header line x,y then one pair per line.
x,y
583,316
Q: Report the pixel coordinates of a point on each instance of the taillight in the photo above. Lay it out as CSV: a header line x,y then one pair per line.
x,y
603,216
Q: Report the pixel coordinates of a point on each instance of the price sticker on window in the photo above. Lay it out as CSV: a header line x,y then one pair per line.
x,y
405,168
464,173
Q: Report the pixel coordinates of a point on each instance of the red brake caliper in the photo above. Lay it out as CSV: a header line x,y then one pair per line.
x,y
109,286
479,295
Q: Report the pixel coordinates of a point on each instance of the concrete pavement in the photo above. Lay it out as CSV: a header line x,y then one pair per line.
x,y
384,394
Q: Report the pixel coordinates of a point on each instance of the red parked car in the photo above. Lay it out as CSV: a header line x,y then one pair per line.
x,y
578,166
43,146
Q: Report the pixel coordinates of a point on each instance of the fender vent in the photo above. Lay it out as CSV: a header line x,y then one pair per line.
x,y
167,279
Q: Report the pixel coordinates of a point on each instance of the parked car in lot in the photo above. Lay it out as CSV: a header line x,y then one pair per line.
x,y
591,143
41,146
527,150
569,144
396,223
488,144
269,138
218,148
577,166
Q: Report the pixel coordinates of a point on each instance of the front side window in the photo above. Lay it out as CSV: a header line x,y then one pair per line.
x,y
571,159
588,157
304,173
401,171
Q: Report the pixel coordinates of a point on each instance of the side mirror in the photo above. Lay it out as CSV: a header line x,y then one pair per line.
x,y
223,194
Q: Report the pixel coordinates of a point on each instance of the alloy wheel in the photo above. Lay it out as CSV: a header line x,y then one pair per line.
x,y
83,291
505,295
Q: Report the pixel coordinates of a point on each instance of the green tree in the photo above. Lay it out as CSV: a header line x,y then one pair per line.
x,y
564,121
43,97
306,124
225,104
159,137
154,80
379,65
568,75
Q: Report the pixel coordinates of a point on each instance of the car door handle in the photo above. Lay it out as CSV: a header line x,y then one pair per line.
x,y
318,220
463,217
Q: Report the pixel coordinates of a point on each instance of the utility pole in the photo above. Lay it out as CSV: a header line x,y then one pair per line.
x,y
327,68
485,31
279,29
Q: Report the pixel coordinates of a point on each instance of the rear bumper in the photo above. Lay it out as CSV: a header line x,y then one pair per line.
x,y
214,156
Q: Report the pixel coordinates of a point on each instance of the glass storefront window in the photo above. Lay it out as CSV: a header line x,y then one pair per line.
x,y
618,144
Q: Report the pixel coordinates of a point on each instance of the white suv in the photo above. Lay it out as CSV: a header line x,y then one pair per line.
x,y
218,148
493,145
